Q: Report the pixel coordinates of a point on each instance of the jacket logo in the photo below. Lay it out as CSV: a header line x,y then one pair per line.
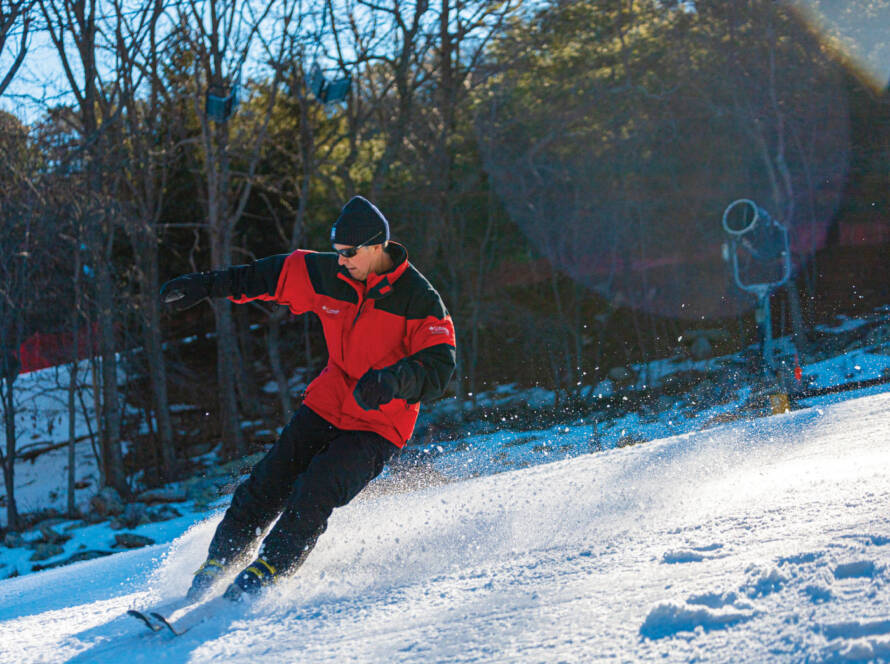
x,y
329,310
438,329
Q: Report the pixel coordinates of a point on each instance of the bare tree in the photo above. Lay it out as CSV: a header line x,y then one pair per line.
x,y
14,255
386,46
22,276
77,31
139,41
73,384
16,22
464,32
221,34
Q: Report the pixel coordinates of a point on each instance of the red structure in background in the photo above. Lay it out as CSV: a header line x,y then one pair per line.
x,y
41,350
868,233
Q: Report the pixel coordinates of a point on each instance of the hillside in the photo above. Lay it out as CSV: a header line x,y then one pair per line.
x,y
754,540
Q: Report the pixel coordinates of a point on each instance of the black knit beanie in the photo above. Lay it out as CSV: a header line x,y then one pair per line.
x,y
360,222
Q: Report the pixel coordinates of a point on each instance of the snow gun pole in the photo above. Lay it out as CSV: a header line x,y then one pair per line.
x,y
762,315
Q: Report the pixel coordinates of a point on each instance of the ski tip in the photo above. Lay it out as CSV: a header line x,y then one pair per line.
x,y
145,619
167,624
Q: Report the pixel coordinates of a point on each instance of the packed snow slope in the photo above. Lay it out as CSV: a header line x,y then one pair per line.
x,y
766,540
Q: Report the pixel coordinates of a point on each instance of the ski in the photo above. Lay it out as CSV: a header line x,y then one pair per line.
x,y
181,621
144,615
168,625
145,619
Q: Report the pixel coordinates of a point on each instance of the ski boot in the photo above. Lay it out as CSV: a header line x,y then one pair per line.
x,y
205,577
251,580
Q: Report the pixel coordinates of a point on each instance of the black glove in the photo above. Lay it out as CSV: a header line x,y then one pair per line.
x,y
187,290
375,388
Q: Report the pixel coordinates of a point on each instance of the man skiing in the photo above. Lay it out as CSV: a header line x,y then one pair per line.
x,y
391,344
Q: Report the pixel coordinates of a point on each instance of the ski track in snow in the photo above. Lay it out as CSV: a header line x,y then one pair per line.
x,y
758,541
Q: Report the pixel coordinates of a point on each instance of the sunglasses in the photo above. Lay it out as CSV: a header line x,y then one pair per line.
x,y
349,252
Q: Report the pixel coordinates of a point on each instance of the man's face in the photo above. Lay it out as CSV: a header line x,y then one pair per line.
x,y
359,266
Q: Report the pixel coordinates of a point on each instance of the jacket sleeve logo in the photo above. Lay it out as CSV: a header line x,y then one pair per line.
x,y
329,310
438,329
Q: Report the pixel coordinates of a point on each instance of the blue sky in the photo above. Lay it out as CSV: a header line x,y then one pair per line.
x,y
858,37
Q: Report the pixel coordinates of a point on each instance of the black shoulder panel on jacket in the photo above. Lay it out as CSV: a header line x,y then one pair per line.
x,y
323,269
413,297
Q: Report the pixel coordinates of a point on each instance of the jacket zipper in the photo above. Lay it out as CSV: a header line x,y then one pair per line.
x,y
361,305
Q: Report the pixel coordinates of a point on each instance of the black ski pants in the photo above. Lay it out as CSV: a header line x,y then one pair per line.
x,y
312,468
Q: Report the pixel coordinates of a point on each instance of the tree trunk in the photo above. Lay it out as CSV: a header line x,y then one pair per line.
x,y
111,413
12,514
72,436
226,346
72,384
246,382
226,350
154,355
216,144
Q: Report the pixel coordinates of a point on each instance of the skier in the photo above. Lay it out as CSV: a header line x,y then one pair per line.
x,y
391,344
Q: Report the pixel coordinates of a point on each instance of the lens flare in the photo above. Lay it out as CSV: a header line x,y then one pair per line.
x,y
620,179
856,32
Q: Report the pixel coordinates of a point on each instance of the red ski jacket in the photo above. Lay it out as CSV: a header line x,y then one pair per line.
x,y
394,320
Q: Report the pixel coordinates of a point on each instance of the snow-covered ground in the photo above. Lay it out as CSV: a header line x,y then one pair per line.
x,y
763,540
42,423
